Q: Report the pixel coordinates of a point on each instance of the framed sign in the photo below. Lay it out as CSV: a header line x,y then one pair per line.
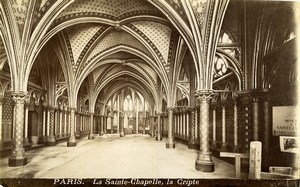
x,y
289,144
284,121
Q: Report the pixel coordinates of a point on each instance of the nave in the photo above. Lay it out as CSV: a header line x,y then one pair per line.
x,y
109,156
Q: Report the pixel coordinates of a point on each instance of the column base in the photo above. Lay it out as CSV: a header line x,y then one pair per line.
x,y
71,144
91,136
170,145
15,161
101,133
192,146
224,147
205,166
235,149
158,138
122,134
51,143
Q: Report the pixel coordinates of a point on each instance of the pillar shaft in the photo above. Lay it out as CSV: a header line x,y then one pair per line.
x,y
51,139
224,127
91,135
255,120
72,140
170,142
101,126
26,140
204,160
17,158
159,138
214,126
235,126
192,140
1,100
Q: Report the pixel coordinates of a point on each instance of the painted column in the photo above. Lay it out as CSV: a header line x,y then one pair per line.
x,y
152,126
26,140
144,125
91,135
17,157
235,126
122,134
255,120
170,142
158,137
60,122
51,140
184,124
72,140
65,120
1,100
48,123
187,115
223,127
44,123
204,160
214,127
192,140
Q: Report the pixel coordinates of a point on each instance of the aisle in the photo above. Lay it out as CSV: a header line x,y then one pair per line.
x,y
134,156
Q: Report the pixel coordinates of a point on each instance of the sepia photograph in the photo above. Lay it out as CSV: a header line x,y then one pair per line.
x,y
149,93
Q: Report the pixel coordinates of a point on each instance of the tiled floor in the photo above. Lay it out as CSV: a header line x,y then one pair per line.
x,y
133,156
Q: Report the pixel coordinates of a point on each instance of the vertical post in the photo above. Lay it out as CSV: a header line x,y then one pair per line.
x,y
170,142
101,126
255,120
91,135
223,128
159,138
187,115
192,141
152,126
26,140
255,160
214,127
1,101
72,140
44,123
235,126
112,123
144,125
122,134
184,124
60,121
18,158
51,140
204,160
65,120
48,123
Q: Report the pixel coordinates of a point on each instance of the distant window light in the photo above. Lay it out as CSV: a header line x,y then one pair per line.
x,y
225,38
290,37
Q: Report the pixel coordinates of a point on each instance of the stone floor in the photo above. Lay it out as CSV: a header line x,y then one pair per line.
x,y
133,156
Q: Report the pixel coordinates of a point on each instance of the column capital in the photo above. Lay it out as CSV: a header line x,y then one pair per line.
x,y
19,96
204,95
171,108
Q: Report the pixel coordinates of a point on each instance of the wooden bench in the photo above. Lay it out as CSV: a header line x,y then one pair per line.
x,y
237,157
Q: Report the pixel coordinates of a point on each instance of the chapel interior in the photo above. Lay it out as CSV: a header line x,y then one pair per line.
x,y
211,76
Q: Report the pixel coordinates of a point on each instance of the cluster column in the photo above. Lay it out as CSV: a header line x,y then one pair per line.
x,y
1,100
204,160
170,142
18,158
72,140
51,139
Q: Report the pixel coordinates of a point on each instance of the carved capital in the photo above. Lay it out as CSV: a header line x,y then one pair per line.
x,y
204,95
19,96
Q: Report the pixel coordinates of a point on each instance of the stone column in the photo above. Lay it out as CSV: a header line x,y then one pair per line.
x,y
26,140
152,126
159,138
51,140
72,140
65,120
1,100
112,124
214,124
91,135
170,142
60,122
18,158
255,120
267,132
105,124
44,123
187,124
144,125
223,127
183,124
101,126
235,126
192,140
122,134
204,160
